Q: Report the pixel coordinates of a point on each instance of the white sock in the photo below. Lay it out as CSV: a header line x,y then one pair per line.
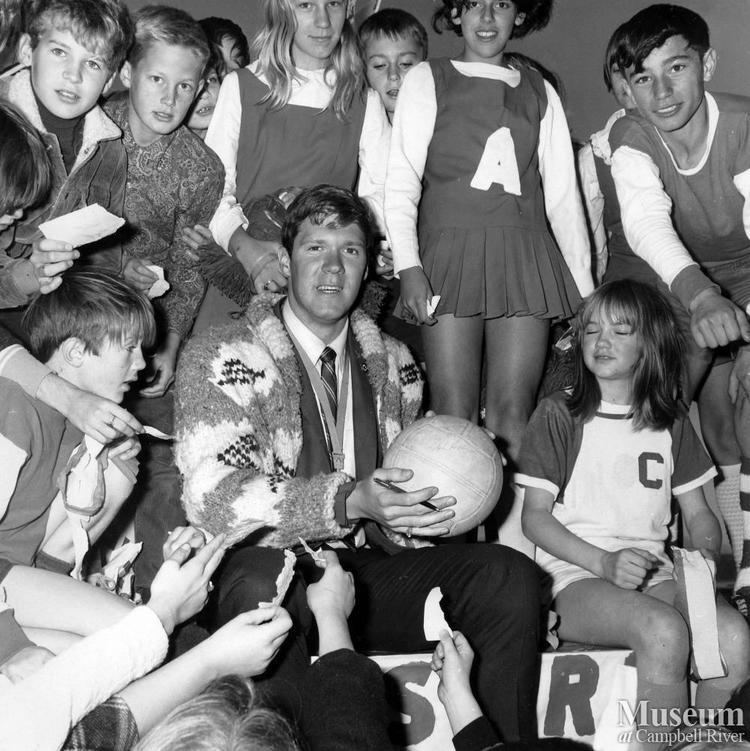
x,y
728,500
742,585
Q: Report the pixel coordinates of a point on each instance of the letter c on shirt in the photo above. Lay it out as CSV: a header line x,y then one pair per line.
x,y
643,461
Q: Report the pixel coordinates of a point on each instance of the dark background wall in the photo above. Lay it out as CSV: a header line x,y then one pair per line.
x,y
572,45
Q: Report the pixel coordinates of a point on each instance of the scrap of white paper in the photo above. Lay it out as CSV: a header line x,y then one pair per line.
x,y
160,286
87,225
283,580
432,304
155,433
316,555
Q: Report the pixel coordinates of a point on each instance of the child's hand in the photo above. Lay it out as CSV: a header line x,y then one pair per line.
x,y
416,292
260,259
334,592
164,364
248,643
102,419
125,449
180,589
25,662
384,262
49,259
180,536
452,660
197,238
136,271
627,568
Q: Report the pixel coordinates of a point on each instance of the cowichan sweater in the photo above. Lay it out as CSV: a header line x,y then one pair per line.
x,y
239,428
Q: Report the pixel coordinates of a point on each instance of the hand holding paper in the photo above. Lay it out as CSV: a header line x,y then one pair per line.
x,y
87,225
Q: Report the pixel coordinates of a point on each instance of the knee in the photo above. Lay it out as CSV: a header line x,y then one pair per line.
x,y
734,642
507,581
663,640
246,578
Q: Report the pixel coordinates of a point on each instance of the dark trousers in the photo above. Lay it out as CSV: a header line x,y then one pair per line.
x,y
490,593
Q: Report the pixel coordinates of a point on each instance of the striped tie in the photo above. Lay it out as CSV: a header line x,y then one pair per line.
x,y
328,376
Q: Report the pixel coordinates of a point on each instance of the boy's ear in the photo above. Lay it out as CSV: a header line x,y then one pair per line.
x,y
25,49
72,351
126,73
285,261
709,64
520,18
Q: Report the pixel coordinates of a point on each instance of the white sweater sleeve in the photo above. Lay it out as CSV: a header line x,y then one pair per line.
x,y
593,198
374,144
646,213
561,197
413,126
223,137
37,713
742,183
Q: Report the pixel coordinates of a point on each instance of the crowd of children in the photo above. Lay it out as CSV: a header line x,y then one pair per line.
x,y
491,230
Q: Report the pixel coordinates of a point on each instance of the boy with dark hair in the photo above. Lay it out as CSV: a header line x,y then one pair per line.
x,y
392,41
173,180
230,39
681,166
59,491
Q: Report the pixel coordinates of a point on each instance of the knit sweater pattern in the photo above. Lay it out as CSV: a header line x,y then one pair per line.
x,y
239,428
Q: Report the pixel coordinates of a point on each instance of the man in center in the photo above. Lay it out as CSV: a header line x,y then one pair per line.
x,y
283,419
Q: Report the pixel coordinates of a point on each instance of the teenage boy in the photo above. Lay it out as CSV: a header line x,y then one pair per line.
x,y
173,180
54,485
681,167
70,55
258,442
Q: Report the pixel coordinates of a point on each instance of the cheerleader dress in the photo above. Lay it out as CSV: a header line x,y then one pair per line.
x,y
483,236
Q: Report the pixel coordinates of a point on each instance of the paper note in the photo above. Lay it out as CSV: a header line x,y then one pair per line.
x,y
283,580
154,433
432,304
160,286
87,225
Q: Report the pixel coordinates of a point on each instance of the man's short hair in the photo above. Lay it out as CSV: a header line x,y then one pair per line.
x,y
101,26
393,23
93,305
651,28
332,206
162,23
25,169
217,29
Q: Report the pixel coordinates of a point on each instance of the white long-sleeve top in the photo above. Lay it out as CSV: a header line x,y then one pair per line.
x,y
593,198
313,91
413,127
37,714
646,211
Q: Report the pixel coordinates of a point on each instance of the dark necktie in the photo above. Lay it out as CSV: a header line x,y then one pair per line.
x,y
328,376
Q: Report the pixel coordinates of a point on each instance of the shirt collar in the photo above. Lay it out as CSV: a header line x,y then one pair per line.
x,y
311,344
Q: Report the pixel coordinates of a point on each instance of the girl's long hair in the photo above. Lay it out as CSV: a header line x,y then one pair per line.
x,y
273,47
659,373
